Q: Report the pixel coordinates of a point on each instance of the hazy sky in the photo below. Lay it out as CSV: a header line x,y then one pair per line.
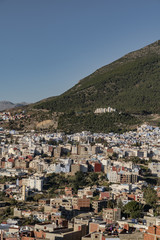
x,y
47,46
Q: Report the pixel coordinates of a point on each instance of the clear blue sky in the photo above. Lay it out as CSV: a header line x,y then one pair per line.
x,y
47,46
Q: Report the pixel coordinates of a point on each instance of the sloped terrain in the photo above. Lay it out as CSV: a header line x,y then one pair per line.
x,y
130,84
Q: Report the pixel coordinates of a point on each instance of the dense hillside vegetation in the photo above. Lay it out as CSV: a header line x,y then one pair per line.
x,y
108,122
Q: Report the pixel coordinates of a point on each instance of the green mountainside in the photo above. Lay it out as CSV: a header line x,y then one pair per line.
x,y
130,84
107,122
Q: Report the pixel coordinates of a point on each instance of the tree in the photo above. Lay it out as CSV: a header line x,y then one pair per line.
x,y
37,197
110,204
2,196
120,204
133,209
11,139
80,179
103,177
52,142
158,182
75,187
16,140
94,177
150,196
44,155
115,155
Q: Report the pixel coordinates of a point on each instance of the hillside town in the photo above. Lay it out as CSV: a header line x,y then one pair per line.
x,y
79,120
8,116
80,186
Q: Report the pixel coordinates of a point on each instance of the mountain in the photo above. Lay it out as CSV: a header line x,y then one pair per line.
x,y
4,105
131,84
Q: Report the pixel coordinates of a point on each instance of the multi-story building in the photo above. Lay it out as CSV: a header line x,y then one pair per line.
x,y
111,215
99,205
155,168
128,178
81,203
33,182
113,176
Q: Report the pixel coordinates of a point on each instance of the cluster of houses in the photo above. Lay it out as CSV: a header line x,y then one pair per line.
x,y
28,158
7,116
71,216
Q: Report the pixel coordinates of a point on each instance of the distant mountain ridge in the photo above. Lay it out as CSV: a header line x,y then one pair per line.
x,y
130,84
4,105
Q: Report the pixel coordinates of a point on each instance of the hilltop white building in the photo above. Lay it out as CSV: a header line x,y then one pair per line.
x,y
104,110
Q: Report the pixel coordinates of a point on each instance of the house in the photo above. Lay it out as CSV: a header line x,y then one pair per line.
x,y
111,215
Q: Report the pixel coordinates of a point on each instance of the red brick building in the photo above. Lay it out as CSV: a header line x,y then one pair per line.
x,y
153,233
81,203
96,227
104,195
97,167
